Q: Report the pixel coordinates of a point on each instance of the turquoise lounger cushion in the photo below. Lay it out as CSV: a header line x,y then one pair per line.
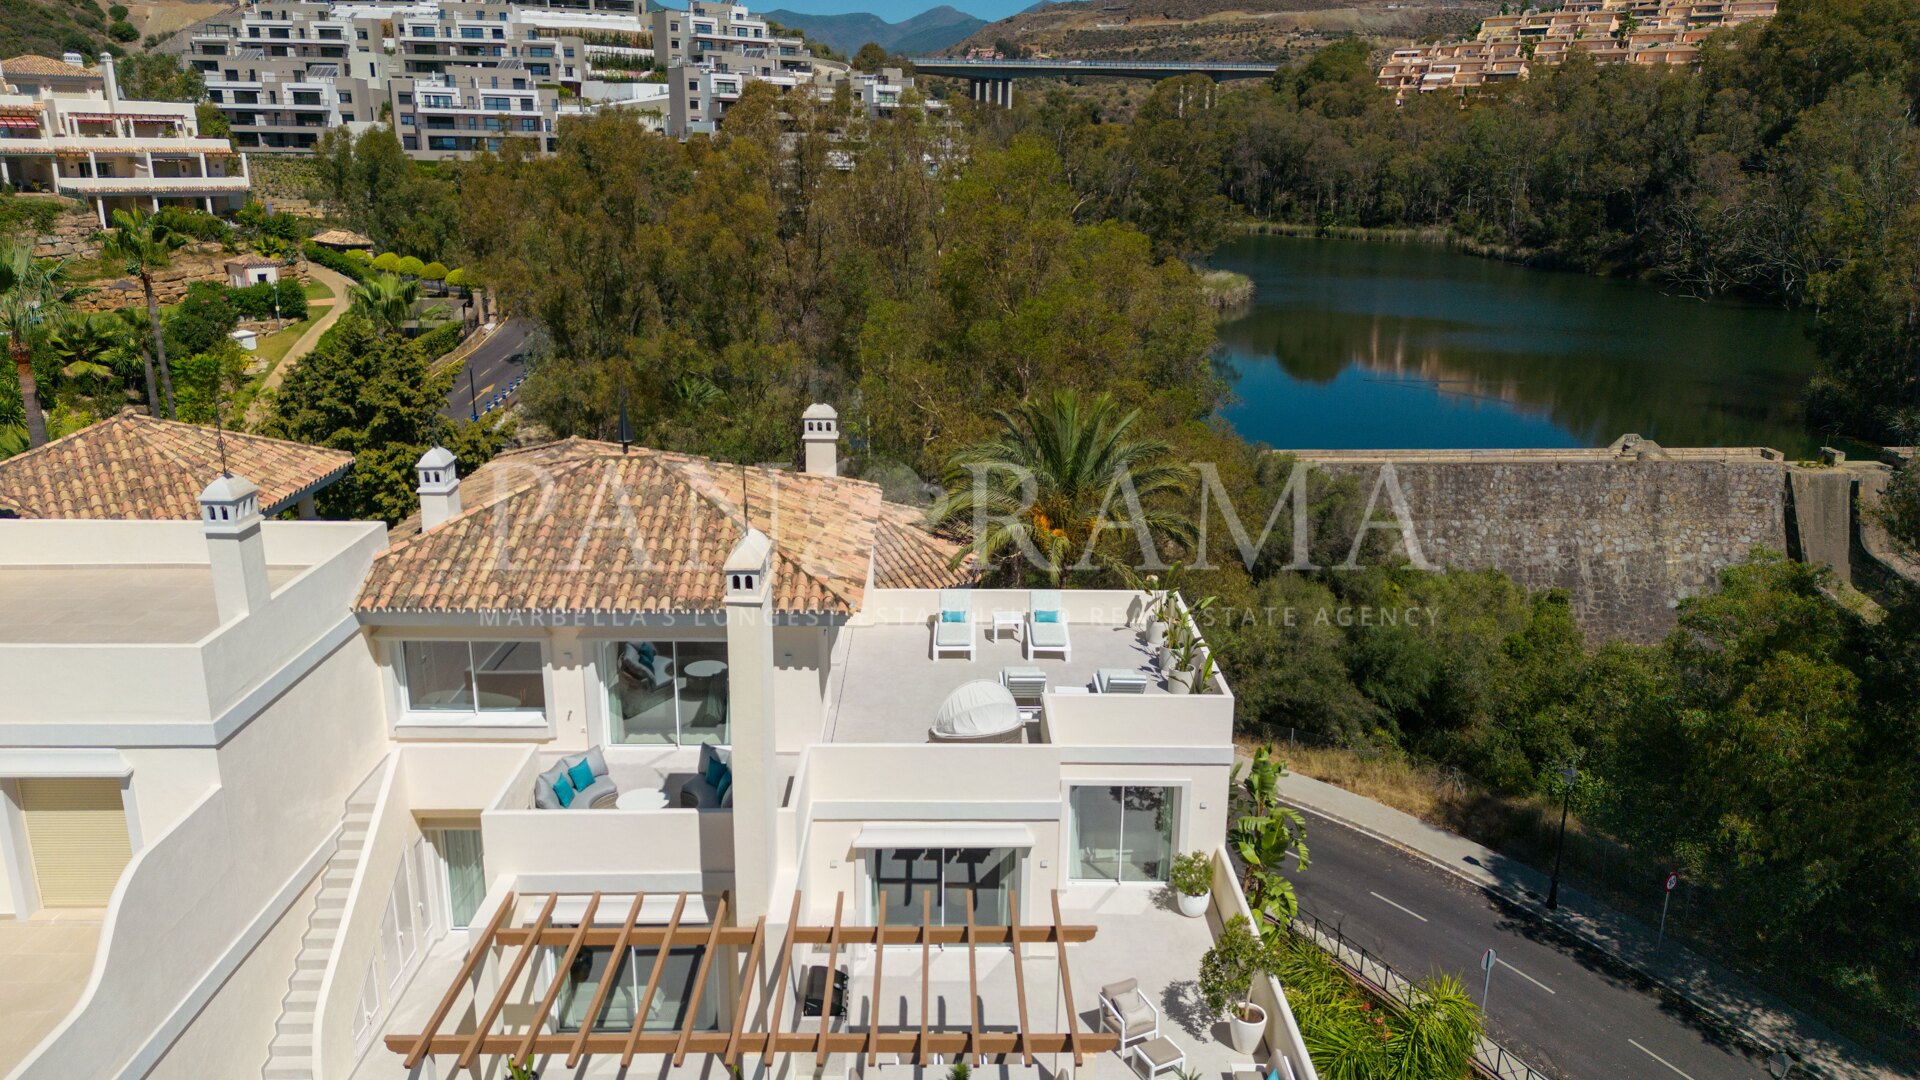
x,y
563,791
1046,616
953,616
581,775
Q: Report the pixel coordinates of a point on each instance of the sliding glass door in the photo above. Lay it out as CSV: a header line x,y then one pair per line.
x,y
671,692
465,864
1123,833
946,880
672,999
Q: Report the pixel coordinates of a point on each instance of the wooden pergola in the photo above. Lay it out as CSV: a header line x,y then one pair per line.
x,y
740,1042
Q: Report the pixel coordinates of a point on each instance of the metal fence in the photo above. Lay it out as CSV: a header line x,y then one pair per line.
x,y
1490,1058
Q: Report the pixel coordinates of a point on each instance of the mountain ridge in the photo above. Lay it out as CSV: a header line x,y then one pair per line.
x,y
930,31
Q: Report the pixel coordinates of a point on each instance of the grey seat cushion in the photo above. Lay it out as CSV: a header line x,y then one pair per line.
x,y
952,635
584,798
1048,635
699,794
594,794
1160,1051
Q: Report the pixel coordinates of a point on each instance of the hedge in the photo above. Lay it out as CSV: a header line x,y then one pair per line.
x,y
440,340
256,301
336,262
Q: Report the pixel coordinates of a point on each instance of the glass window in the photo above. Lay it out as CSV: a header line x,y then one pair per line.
x,y
483,676
951,877
1123,833
672,692
463,860
671,999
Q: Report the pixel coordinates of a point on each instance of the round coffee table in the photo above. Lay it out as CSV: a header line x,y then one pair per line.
x,y
641,799
705,669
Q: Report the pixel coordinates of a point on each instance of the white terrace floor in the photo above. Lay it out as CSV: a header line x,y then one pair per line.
x,y
886,687
1139,937
47,960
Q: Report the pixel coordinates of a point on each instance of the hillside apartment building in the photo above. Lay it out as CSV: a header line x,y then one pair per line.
x,y
608,754
65,129
1508,47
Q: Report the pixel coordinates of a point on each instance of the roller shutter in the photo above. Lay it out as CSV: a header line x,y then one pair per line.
x,y
78,832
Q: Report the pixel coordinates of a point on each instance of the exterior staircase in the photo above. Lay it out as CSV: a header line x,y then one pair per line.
x,y
290,1056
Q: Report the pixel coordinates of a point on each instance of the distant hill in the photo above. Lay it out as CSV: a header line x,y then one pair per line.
x,y
51,27
1269,30
930,31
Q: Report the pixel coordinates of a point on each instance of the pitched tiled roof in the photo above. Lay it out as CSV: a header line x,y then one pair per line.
x,y
136,466
907,556
342,238
31,64
580,526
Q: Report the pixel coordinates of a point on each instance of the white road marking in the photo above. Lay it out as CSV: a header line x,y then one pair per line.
x,y
1658,1058
1408,910
1525,976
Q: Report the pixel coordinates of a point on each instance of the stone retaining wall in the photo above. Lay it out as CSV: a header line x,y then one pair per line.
x,y
75,235
1628,536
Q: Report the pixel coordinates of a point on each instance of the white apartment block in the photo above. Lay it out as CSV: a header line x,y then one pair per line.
x,y
612,755
462,110
284,74
65,129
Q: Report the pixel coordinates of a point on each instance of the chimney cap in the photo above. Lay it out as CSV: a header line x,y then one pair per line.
x,y
751,553
228,489
229,505
437,458
820,410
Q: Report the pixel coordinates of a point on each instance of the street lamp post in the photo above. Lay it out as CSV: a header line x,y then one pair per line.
x,y
1570,775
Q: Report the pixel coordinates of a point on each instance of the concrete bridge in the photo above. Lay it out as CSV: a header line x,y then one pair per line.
x,y
992,80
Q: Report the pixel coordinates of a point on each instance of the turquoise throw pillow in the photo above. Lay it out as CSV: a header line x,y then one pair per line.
x,y
726,782
581,775
715,769
1046,616
953,616
563,791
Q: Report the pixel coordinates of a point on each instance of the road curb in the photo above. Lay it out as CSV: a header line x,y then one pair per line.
x,y
1527,904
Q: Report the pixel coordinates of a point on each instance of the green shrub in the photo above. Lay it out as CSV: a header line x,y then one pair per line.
x,y
355,270
198,224
1192,874
435,271
201,321
386,262
440,340
256,301
411,266
123,31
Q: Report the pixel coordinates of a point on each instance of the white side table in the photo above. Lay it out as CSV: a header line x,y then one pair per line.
x,y
641,799
1007,620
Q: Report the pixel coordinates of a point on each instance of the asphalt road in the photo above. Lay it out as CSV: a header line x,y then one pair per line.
x,y
492,366
1566,1011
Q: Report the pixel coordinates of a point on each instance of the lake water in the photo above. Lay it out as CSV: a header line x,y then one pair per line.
x,y
1349,344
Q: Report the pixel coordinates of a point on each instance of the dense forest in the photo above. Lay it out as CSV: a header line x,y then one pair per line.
x,y
924,275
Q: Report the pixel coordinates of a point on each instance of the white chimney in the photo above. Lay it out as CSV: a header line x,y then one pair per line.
x,y
73,59
106,73
756,795
820,432
230,516
439,487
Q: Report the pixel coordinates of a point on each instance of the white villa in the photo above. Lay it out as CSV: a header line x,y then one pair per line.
x,y
65,129
612,761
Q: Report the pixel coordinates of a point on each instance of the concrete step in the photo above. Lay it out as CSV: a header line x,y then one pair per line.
x,y
320,941
293,1045
327,917
301,1001
289,1068
311,961
294,1023
337,877
330,899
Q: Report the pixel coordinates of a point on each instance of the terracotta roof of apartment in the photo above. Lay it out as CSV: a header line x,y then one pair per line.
x,y
137,466
579,526
342,238
907,556
31,64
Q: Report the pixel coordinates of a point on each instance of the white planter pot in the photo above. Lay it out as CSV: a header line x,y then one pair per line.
x,y
1163,660
1180,682
1156,635
1245,1034
1193,907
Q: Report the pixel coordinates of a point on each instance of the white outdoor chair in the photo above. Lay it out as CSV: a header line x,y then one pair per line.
x,y
1047,625
1126,1012
953,623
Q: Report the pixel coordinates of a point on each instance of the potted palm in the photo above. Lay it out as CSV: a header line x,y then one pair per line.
x,y
1239,955
1192,882
1170,643
1185,658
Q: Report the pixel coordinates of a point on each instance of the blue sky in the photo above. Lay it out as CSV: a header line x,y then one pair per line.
x,y
895,10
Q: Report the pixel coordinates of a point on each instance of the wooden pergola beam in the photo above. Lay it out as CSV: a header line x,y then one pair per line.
x,y
826,992
1019,975
879,965
642,936
1066,987
793,1042
469,1056
614,965
559,979
732,1056
653,984
475,954
778,988
699,987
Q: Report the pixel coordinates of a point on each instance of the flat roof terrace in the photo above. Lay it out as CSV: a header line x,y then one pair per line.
x,y
112,605
886,687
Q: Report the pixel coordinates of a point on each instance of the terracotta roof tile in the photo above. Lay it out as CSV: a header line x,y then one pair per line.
x,y
907,556
136,466
32,64
580,526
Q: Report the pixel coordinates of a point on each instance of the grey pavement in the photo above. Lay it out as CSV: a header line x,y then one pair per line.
x,y
492,365
1588,1021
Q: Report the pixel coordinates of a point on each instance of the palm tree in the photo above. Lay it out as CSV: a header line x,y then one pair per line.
x,y
33,292
387,301
1044,487
143,245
